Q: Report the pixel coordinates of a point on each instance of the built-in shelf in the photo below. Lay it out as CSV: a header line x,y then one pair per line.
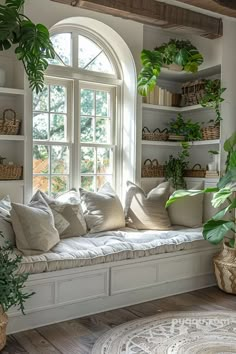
x,y
19,182
12,137
182,76
172,109
197,179
177,143
11,91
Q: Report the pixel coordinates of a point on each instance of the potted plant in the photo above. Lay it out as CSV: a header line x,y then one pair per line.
x,y
31,41
212,98
12,288
222,226
182,129
181,53
174,168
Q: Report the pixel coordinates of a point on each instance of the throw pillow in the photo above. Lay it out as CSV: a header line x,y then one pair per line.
x,y
188,211
68,214
147,211
7,233
103,210
5,207
34,227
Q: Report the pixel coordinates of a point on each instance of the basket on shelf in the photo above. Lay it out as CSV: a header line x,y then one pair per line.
x,y
151,168
193,92
156,135
10,172
211,132
195,171
9,125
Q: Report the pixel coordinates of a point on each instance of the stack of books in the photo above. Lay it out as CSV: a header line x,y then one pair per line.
x,y
212,174
159,96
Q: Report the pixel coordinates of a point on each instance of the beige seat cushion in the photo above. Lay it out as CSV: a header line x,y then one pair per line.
x,y
147,211
34,227
103,210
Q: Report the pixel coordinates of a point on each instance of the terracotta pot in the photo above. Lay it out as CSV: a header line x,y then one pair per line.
x,y
3,327
225,269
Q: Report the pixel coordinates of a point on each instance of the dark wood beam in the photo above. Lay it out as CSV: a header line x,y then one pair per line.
x,y
155,13
226,8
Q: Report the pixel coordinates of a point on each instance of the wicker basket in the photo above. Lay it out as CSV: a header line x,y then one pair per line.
x,y
193,92
10,172
9,126
156,135
211,132
196,171
151,168
3,326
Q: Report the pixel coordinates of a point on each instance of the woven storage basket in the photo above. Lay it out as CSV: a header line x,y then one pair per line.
x,y
9,126
10,172
211,132
151,168
196,171
3,326
193,92
156,135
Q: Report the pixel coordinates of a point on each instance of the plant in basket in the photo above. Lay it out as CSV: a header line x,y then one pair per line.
x,y
12,287
181,129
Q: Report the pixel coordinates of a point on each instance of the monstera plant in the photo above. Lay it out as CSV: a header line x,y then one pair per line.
x,y
31,41
182,53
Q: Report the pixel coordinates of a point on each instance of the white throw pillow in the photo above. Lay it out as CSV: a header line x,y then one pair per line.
x,y
187,211
34,227
103,210
5,207
147,211
7,233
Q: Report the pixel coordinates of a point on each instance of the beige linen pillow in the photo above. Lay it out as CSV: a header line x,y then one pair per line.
x,y
103,210
34,227
147,211
68,214
188,211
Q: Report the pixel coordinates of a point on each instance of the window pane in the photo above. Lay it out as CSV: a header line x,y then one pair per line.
x,y
60,159
40,159
104,161
102,103
58,99
87,160
87,102
87,129
103,129
62,45
87,182
41,182
88,50
58,127
101,64
101,180
59,184
40,100
40,126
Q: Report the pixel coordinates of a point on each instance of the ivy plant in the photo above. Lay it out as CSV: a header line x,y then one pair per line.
x,y
187,128
31,41
182,53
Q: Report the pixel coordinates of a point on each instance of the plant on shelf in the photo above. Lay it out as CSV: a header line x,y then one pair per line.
x,y
12,287
31,41
187,129
222,226
174,168
181,53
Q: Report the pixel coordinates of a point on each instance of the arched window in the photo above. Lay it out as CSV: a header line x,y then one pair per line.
x,y
76,118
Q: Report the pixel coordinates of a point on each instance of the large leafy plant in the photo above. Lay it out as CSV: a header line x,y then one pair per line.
x,y
182,53
187,128
175,166
31,41
223,222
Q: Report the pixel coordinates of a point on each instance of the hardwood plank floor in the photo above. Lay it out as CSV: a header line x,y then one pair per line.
x,y
78,336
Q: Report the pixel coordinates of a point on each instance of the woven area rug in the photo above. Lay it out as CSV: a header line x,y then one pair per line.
x,y
172,333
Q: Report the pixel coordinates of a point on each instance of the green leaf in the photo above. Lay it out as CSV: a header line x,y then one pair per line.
x,y
146,81
151,58
230,143
220,197
179,194
232,243
214,231
229,177
182,57
224,211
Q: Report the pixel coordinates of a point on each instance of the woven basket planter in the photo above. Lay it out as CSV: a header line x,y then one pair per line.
x,y
11,125
156,135
225,269
196,171
151,168
3,327
211,133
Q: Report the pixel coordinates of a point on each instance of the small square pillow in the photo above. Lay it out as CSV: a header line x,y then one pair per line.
x,y
103,210
68,214
147,211
34,227
187,211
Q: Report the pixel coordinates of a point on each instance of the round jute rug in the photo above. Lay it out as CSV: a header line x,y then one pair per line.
x,y
172,333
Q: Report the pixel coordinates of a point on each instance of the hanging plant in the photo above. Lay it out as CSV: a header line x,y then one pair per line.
x,y
31,41
181,53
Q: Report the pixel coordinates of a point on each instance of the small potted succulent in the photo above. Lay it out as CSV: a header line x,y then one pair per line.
x,y
12,286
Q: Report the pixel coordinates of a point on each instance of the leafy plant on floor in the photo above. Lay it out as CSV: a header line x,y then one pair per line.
x,y
187,128
175,166
181,53
31,41
223,222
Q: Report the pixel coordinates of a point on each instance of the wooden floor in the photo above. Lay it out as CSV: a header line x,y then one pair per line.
x,y
78,336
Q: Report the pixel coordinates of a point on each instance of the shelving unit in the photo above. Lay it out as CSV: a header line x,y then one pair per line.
x,y
173,109
177,143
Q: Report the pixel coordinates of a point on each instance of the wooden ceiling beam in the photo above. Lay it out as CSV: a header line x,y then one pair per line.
x,y
229,9
155,13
